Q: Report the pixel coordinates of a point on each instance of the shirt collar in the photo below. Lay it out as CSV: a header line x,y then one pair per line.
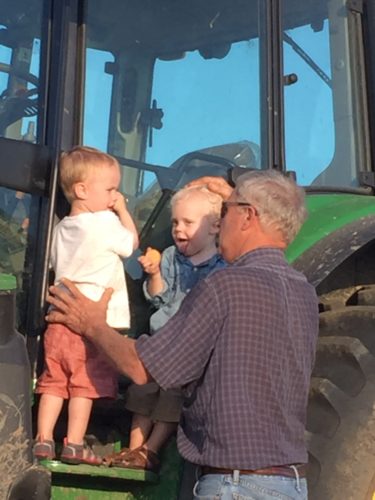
x,y
186,260
264,256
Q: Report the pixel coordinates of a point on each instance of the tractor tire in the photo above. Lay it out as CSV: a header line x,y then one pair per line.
x,y
341,410
33,483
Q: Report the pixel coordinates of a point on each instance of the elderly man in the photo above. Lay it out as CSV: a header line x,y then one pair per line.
x,y
242,347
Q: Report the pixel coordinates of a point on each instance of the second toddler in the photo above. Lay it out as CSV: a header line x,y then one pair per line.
x,y
195,226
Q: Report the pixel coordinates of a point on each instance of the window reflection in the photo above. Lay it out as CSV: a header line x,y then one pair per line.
x,y
15,206
20,33
14,224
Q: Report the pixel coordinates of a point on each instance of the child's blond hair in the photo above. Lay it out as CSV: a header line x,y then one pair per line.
x,y
76,164
214,200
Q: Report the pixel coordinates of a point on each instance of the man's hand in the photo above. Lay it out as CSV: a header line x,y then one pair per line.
x,y
74,310
217,185
88,318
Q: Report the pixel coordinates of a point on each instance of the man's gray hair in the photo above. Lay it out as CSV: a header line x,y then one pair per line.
x,y
278,200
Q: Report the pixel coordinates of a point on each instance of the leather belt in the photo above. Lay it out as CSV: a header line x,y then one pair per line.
x,y
278,470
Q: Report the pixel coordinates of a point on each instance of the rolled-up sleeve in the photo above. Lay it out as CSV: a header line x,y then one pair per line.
x,y
159,299
178,353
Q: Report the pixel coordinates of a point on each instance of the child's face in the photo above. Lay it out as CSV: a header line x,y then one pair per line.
x,y
102,188
194,228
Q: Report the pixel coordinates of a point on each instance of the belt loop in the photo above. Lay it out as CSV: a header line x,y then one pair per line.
x,y
298,484
236,477
195,494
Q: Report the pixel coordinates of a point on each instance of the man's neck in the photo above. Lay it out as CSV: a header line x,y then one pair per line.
x,y
262,241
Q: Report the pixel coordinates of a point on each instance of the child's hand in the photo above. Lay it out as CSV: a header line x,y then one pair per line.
x,y
150,261
120,208
120,204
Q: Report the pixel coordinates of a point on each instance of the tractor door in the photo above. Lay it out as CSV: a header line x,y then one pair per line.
x,y
25,160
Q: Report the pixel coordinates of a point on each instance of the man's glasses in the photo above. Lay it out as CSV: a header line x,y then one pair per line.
x,y
226,204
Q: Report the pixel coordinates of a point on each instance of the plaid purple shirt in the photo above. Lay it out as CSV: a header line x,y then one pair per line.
x,y
242,346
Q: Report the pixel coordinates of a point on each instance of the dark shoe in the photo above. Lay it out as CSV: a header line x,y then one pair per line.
x,y
76,454
140,458
108,459
44,449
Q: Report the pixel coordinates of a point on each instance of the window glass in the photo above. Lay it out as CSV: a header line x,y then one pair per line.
x,y
323,136
163,81
168,79
14,225
309,121
20,48
20,113
142,201
98,88
207,103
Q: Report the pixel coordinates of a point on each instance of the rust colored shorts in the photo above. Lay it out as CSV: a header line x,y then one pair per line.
x,y
73,367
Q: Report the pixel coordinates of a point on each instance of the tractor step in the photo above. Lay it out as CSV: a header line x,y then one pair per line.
x,y
56,467
87,482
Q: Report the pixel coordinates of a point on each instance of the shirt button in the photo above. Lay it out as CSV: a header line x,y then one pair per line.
x,y
188,290
195,269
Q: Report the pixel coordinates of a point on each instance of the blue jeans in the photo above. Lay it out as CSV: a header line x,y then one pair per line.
x,y
249,487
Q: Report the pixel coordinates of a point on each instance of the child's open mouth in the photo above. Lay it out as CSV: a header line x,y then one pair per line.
x,y
182,245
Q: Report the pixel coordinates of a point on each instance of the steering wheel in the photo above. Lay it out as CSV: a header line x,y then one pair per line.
x,y
24,75
15,107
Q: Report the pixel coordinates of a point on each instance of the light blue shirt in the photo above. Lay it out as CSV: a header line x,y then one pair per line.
x,y
179,275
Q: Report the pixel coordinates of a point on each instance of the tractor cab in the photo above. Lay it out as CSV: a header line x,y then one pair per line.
x,y
177,90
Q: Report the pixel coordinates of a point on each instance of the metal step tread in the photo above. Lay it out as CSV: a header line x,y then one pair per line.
x,y
57,467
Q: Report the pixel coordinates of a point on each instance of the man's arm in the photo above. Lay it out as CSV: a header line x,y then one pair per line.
x,y
87,318
180,350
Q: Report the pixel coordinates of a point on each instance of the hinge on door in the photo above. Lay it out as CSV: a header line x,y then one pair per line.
x,y
367,179
355,6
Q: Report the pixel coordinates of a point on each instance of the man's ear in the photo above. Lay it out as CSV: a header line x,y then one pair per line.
x,y
80,190
249,221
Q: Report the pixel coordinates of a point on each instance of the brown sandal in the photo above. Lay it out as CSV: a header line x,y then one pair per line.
x,y
116,455
140,458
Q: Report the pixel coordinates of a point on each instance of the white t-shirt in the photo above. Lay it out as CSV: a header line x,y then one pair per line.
x,y
87,249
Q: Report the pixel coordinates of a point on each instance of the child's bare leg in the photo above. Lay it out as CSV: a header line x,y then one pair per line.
x,y
140,430
159,435
79,410
48,413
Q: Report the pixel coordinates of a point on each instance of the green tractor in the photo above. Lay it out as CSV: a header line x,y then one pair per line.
x,y
177,90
